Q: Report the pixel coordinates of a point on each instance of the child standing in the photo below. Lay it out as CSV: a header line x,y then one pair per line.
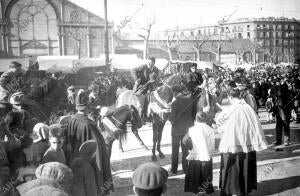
x,y
199,171
55,152
84,181
35,152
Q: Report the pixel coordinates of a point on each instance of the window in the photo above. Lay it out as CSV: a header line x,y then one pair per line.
x,y
266,43
227,30
222,29
234,29
240,36
258,26
192,33
199,32
292,27
277,42
264,34
248,27
279,27
291,43
215,31
286,27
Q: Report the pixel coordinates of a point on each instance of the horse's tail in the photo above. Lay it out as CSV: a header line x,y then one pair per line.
x,y
123,136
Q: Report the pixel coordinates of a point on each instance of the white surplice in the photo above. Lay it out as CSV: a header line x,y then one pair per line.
x,y
241,128
203,140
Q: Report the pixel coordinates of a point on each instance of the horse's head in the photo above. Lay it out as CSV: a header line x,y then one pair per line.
x,y
165,93
135,119
177,80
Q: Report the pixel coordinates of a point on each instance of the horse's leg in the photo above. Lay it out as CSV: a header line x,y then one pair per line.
x,y
135,132
109,147
161,127
120,144
155,128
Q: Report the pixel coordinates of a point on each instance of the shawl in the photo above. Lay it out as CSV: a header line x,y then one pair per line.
x,y
241,128
203,140
40,132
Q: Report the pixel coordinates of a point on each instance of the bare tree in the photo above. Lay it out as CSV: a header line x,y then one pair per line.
x,y
168,44
143,31
274,54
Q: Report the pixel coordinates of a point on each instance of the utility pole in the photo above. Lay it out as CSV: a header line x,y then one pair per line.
x,y
106,46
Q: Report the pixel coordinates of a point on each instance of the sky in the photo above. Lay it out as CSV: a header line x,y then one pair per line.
x,y
189,13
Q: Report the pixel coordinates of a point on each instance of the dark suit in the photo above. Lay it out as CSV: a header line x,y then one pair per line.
x,y
181,119
194,79
283,108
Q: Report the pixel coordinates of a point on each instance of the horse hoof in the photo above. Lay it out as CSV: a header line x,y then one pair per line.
x,y
161,155
154,158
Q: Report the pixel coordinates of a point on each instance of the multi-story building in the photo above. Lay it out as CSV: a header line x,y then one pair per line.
x,y
274,39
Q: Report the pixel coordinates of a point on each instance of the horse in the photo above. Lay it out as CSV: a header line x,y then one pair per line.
x,y
159,107
113,126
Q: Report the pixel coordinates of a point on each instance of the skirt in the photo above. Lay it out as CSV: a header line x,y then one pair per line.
x,y
199,177
238,173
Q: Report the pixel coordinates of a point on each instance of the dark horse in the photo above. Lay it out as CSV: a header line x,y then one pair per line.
x,y
160,107
119,118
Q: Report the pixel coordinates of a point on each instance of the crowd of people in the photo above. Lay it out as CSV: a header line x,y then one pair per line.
x,y
70,157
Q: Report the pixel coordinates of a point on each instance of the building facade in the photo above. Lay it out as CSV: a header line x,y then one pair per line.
x,y
50,27
274,39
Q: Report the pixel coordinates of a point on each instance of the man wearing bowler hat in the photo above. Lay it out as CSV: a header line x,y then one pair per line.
x,y
81,129
149,179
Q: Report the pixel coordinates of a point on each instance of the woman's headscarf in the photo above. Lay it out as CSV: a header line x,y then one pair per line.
x,y
40,132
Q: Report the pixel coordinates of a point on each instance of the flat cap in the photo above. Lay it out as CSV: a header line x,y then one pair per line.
x,y
45,190
71,88
15,64
16,98
40,132
54,171
149,176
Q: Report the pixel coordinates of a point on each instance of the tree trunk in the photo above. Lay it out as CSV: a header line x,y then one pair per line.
x,y
170,54
218,57
145,50
198,55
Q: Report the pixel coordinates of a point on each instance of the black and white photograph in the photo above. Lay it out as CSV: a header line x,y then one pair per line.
x,y
149,97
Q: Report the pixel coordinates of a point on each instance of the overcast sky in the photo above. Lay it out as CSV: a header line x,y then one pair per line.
x,y
186,13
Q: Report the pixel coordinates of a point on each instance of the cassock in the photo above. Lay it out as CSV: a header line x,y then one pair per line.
x,y
242,137
79,130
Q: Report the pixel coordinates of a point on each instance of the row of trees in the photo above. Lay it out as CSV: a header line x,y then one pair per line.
x,y
204,43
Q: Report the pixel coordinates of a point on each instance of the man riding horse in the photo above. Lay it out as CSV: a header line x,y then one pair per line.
x,y
145,78
194,82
